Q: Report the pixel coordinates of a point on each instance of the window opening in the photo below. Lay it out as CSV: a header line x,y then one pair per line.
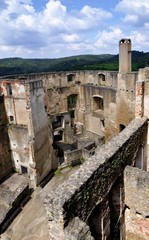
x,y
11,118
101,76
9,89
24,170
121,127
98,103
72,101
70,77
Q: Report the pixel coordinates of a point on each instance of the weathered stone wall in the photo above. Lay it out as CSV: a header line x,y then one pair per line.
x,y
142,99
29,135
136,184
41,135
71,156
99,121
79,195
5,153
126,98
15,101
19,142
6,166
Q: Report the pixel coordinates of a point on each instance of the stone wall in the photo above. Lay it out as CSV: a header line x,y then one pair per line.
x,y
126,98
23,110
6,166
72,156
142,99
79,195
136,182
5,154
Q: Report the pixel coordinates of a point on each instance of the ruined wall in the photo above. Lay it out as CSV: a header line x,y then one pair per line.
x,y
136,184
97,120
72,156
56,99
89,186
142,99
126,98
6,166
28,130
15,101
86,85
42,141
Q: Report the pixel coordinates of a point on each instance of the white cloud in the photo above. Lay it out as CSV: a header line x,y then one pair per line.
x,y
136,11
107,40
133,6
56,31
131,19
30,29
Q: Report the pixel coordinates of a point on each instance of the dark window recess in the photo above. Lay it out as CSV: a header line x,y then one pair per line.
x,y
72,101
101,77
121,127
9,89
103,122
98,103
11,118
72,113
24,170
70,77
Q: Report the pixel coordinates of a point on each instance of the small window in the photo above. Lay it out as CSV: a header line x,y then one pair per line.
x,y
72,101
24,170
11,118
101,77
70,77
103,122
9,89
98,103
72,113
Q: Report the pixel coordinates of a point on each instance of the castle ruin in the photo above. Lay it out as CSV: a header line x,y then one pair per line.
x,y
99,117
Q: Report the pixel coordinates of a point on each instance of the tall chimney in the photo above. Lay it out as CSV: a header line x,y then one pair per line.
x,y
125,56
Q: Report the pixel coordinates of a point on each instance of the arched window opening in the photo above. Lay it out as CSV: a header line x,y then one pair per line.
x,y
72,101
98,103
101,78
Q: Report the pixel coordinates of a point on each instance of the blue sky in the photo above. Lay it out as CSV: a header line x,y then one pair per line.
x,y
59,28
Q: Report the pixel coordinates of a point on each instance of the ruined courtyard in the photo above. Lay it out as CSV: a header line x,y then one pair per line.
x,y
89,127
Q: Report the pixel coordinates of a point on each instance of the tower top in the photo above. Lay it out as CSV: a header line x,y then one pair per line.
x,y
125,55
125,40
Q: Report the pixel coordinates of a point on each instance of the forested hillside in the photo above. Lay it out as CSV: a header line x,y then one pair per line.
x,y
9,66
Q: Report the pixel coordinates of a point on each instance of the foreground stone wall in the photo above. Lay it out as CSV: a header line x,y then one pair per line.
x,y
137,203
79,195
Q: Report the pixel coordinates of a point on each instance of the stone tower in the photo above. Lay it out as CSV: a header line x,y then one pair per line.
x,y
125,56
27,126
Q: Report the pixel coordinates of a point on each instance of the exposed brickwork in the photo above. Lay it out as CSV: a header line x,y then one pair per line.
x,y
137,202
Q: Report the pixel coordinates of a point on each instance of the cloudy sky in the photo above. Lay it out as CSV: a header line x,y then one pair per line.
x,y
58,28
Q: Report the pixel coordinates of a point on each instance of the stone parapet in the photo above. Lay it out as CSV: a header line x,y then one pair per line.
x,y
87,187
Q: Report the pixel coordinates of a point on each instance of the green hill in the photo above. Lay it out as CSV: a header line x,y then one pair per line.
x,y
10,66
